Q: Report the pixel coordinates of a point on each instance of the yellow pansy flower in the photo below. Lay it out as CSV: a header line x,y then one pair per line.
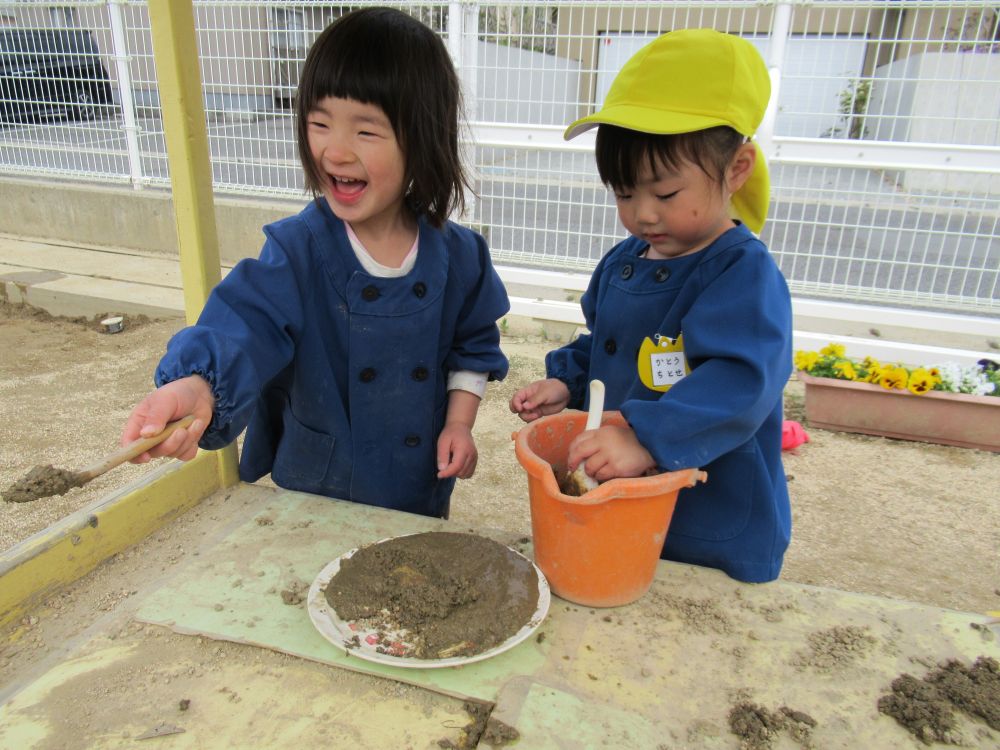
x,y
893,376
873,374
805,360
920,381
845,369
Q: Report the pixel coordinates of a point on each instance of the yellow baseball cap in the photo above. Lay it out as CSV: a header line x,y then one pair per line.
x,y
689,80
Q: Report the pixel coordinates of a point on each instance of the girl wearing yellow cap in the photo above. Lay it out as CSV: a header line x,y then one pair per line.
x,y
689,318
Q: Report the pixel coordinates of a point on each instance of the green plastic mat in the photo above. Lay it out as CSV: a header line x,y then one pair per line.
x,y
234,591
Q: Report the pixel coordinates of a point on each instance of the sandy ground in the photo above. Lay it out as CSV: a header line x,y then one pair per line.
x,y
900,520
892,518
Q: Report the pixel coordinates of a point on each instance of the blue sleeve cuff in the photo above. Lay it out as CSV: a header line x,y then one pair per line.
x,y
194,352
568,364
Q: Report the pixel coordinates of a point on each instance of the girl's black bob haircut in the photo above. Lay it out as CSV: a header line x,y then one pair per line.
x,y
384,57
620,152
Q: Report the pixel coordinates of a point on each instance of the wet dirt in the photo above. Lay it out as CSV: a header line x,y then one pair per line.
x,y
453,594
481,726
927,707
41,481
571,483
759,728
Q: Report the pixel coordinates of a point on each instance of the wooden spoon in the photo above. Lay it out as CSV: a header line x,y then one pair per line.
x,y
44,481
579,481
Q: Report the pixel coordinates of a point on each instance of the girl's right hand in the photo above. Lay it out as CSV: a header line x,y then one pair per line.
x,y
169,402
541,398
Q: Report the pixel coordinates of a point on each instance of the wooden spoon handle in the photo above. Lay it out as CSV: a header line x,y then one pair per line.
x,y
133,449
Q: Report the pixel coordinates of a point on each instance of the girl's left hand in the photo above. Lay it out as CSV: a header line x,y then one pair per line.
x,y
610,452
456,452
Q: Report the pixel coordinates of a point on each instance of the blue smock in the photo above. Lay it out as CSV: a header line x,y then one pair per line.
x,y
732,305
340,377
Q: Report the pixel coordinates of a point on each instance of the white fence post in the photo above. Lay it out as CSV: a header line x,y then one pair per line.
x,y
463,43
780,29
454,38
125,89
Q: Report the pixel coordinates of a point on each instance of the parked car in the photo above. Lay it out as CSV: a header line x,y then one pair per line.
x,y
51,73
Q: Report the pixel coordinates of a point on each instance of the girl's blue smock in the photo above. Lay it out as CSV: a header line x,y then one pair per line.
x,y
339,377
732,305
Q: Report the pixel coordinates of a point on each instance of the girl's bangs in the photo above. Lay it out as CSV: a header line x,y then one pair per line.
x,y
354,69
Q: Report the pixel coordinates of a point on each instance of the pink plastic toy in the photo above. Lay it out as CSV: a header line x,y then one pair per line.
x,y
792,435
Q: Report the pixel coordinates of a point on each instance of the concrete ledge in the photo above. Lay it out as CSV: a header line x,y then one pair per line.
x,y
74,296
73,280
558,320
110,215
86,281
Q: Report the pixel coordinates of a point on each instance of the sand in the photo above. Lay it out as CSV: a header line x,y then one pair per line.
x,y
901,520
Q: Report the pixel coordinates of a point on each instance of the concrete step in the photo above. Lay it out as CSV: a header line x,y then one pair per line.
x,y
85,281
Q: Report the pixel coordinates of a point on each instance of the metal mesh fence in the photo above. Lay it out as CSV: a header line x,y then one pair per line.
x,y
883,137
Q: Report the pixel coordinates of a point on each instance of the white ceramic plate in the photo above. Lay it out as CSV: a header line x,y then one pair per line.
x,y
356,640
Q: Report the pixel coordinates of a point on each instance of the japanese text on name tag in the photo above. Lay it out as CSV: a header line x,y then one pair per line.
x,y
668,367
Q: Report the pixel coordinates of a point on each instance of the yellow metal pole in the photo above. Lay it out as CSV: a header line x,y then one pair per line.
x,y
175,50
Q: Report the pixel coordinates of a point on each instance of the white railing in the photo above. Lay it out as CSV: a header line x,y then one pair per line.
x,y
883,134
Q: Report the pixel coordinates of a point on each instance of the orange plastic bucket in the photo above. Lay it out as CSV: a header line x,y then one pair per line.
x,y
599,550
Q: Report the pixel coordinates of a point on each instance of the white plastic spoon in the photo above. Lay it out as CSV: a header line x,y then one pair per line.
x,y
579,481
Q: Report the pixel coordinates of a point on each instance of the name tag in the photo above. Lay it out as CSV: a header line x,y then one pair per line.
x,y
662,364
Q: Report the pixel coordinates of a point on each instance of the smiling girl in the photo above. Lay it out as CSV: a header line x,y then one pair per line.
x,y
356,349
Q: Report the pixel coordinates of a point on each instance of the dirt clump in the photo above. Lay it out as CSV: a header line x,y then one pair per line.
x,y
758,727
436,595
927,707
295,593
482,727
497,733
835,647
703,615
41,481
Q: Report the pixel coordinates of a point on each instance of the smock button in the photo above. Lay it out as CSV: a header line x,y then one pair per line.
x,y
610,346
626,272
412,441
419,373
420,289
367,375
662,273
369,294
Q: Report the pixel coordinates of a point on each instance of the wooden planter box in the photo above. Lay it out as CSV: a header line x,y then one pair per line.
x,y
936,417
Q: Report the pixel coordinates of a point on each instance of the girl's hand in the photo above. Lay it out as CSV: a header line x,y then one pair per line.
x,y
190,395
610,452
541,398
456,451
